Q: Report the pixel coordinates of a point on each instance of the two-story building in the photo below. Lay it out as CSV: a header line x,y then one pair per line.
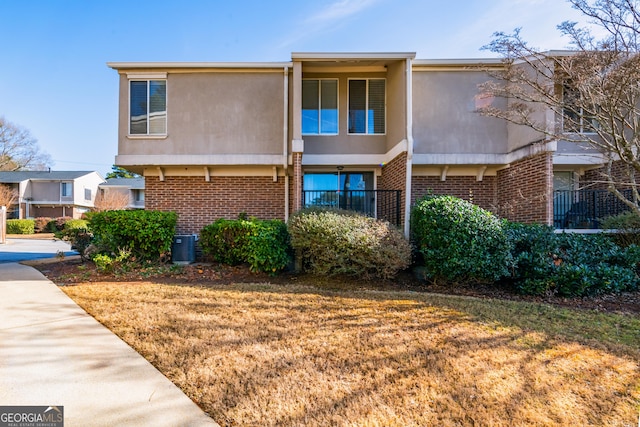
x,y
51,193
365,131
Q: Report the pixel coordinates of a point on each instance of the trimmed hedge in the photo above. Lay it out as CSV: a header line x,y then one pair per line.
x,y
264,245
20,226
459,241
332,242
148,235
570,264
626,227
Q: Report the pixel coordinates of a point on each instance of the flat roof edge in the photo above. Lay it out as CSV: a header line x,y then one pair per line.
x,y
315,56
182,65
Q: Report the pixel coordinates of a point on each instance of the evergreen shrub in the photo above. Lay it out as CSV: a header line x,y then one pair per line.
x,y
459,241
147,235
332,242
263,244
20,226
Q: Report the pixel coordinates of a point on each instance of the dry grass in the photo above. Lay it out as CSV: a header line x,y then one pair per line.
x,y
266,355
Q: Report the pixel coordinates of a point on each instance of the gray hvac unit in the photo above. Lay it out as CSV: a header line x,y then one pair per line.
x,y
183,250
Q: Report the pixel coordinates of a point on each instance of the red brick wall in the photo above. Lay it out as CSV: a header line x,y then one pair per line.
x,y
595,179
525,190
199,203
394,177
482,193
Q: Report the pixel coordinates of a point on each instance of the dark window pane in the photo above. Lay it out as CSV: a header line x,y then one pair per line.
x,y
357,106
376,119
329,112
138,108
157,107
310,104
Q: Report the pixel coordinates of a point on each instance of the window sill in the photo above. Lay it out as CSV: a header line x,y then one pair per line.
x,y
165,136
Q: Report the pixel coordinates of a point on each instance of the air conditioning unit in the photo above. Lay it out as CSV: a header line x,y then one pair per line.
x,y
183,250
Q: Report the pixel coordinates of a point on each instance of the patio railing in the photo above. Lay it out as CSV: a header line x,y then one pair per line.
x,y
585,209
381,204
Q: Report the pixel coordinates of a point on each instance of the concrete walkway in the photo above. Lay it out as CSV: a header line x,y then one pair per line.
x,y
53,353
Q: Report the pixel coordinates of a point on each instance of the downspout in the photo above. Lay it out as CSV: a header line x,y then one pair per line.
x,y
407,186
285,150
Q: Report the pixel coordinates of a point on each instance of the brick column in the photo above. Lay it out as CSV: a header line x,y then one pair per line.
x,y
297,182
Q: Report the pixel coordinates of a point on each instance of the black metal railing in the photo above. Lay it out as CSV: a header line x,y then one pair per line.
x,y
381,204
585,208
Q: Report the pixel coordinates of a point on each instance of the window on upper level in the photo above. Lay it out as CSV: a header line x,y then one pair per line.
x,y
577,118
367,105
65,189
147,107
319,106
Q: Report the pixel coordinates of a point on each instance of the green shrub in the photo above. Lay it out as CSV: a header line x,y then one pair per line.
x,y
57,224
570,264
336,242
76,232
226,240
20,226
76,224
268,247
459,241
262,244
626,227
148,235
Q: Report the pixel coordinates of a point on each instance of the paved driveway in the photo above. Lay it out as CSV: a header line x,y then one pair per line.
x,y
16,250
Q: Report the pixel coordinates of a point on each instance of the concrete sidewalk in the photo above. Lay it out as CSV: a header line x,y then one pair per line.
x,y
53,353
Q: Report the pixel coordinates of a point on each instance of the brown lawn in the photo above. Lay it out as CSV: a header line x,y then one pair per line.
x,y
272,355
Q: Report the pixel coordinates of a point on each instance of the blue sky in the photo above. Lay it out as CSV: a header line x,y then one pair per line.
x,y
54,79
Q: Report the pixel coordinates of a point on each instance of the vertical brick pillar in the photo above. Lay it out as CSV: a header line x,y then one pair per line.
x,y
297,181
525,190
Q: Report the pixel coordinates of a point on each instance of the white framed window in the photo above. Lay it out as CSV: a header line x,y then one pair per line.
x,y
66,189
138,195
87,194
147,107
367,106
575,117
320,106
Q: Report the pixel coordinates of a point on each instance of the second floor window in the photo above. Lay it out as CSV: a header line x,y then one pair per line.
x,y
65,189
320,106
576,117
148,107
367,106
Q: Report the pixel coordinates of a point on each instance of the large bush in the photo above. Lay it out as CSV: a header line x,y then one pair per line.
x,y
459,241
570,264
264,245
147,235
625,228
20,226
336,242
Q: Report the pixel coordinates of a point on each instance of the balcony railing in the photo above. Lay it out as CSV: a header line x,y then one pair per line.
x,y
381,204
585,209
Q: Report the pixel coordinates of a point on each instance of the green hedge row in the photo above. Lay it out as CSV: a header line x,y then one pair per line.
x,y
263,244
20,226
146,235
462,242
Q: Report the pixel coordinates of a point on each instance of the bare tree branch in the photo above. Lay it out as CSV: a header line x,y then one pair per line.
x,y
592,91
19,150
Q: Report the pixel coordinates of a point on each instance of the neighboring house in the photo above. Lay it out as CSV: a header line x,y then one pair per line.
x,y
52,193
132,188
366,131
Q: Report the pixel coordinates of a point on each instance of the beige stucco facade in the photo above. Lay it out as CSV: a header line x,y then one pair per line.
x,y
244,120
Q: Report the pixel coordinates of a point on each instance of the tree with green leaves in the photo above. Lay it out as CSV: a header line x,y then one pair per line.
x,y
120,172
